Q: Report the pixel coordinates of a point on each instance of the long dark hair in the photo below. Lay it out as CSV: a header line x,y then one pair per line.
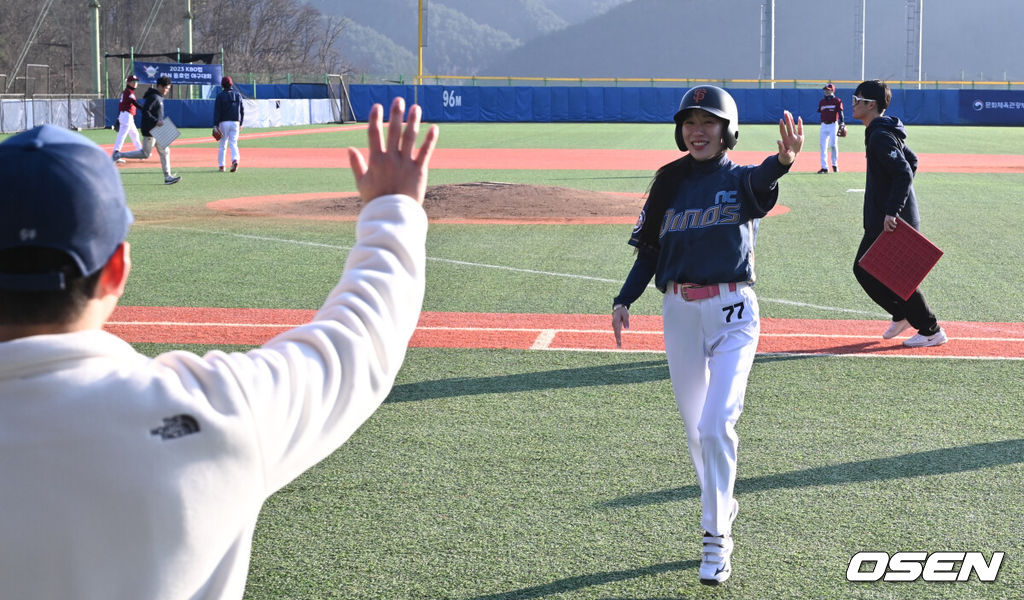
x,y
660,194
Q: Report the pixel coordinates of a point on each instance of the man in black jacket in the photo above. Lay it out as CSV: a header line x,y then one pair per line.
x,y
153,116
889,192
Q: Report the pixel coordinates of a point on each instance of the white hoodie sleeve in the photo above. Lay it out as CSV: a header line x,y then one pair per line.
x,y
303,393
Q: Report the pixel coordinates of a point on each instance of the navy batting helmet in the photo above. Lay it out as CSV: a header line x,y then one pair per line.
x,y
716,101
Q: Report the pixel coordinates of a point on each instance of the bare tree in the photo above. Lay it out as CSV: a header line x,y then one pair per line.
x,y
258,36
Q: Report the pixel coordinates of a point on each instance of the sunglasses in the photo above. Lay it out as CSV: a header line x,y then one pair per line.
x,y
857,99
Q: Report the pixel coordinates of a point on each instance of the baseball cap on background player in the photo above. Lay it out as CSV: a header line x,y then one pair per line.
x,y
131,77
225,82
828,87
61,191
716,101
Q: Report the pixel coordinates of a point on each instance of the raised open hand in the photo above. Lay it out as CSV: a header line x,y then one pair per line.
x,y
792,138
392,168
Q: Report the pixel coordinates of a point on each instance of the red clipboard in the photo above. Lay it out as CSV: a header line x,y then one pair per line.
x,y
901,259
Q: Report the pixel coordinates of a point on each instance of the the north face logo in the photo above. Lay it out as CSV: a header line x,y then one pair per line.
x,y
176,427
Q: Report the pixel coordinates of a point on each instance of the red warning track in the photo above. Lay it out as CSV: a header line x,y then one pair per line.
x,y
227,326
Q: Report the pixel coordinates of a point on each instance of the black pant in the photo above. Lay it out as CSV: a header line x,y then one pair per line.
x,y
914,309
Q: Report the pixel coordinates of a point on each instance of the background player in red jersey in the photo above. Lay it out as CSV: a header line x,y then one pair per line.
x,y
126,116
832,126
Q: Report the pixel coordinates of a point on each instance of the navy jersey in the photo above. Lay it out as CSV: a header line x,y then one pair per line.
x,y
228,106
710,227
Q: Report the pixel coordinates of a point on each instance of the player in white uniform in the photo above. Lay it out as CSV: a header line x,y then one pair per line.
x,y
126,116
695,237
127,477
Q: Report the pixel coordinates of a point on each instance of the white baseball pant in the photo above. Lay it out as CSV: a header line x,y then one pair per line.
x,y
126,126
229,129
829,141
710,345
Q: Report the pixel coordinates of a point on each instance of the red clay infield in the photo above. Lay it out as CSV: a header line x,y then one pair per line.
x,y
226,326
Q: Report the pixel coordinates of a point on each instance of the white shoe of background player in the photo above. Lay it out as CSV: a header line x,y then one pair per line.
x,y
895,328
923,341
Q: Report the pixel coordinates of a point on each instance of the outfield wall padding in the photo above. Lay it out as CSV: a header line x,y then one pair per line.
x,y
443,104
657,105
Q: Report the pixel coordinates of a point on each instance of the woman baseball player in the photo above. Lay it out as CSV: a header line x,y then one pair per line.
x,y
695,237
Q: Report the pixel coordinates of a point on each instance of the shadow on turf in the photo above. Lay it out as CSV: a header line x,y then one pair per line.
x,y
583,581
932,462
621,373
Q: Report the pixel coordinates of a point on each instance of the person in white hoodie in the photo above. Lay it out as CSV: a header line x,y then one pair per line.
x,y
128,477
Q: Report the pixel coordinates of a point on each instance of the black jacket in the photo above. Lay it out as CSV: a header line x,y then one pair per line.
x,y
891,165
152,110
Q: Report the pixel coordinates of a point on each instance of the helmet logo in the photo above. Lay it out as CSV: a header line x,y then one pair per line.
x,y
698,95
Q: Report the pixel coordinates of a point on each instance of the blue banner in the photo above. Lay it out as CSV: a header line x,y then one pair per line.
x,y
180,73
991,107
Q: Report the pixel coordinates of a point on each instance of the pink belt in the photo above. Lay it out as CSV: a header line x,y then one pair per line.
x,y
693,291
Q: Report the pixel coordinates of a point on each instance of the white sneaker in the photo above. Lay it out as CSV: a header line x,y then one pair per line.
x,y
895,328
171,179
923,341
716,563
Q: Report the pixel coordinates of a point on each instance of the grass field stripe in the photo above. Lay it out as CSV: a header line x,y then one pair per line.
x,y
825,308
800,354
262,238
528,271
501,267
249,236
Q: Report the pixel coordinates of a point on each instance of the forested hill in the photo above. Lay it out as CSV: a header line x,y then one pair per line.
x,y
463,36
680,38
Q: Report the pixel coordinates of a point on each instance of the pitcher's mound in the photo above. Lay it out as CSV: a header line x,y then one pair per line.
x,y
483,201
513,201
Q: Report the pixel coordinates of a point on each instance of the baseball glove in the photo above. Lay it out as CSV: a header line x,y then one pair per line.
x,y
217,134
842,130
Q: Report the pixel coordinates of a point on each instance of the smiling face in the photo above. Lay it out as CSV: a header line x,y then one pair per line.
x,y
702,134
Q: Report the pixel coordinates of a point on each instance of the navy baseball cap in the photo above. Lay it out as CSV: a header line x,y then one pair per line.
x,y
60,191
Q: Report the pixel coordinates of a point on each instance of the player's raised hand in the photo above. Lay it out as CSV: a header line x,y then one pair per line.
x,y
393,167
792,138
620,319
